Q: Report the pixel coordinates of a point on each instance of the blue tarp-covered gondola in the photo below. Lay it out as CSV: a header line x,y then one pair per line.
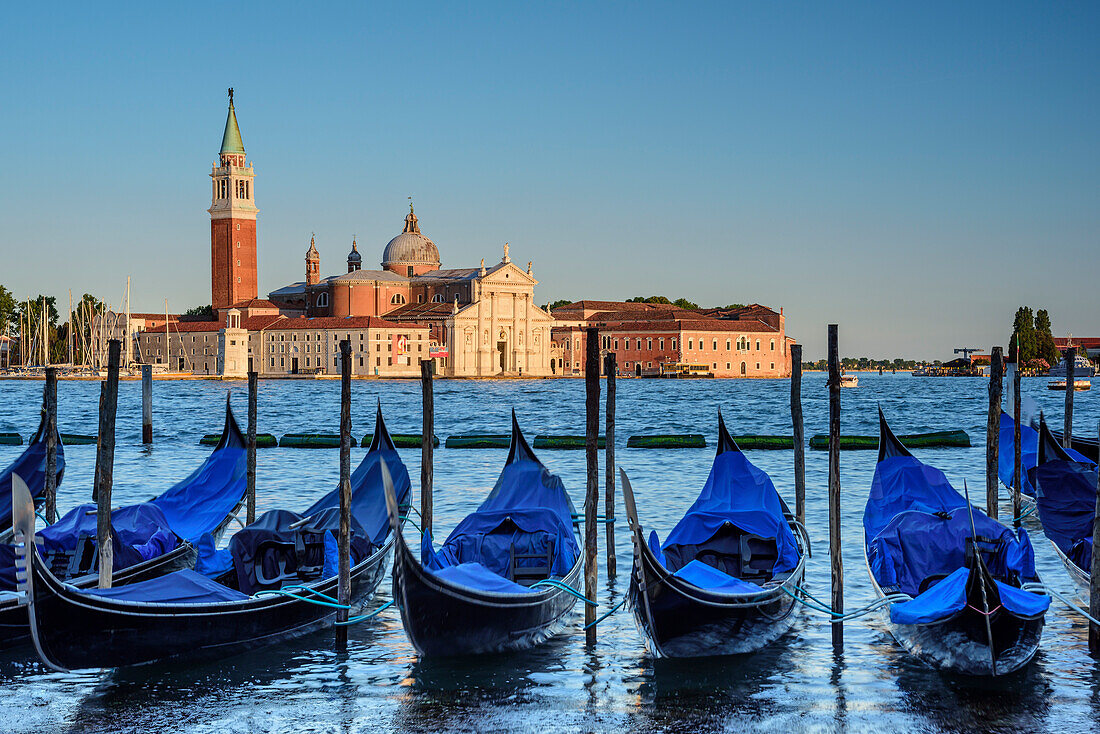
x,y
259,591
725,579
1029,454
480,591
31,466
149,538
956,579
1066,495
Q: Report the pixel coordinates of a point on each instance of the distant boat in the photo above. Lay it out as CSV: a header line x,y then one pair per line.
x,y
1082,368
849,381
1079,385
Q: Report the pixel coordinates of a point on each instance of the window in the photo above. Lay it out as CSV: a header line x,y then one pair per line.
x,y
397,299
758,345
757,365
673,343
420,298
238,229
690,342
771,345
616,344
727,348
410,273
773,366
437,298
272,361
727,366
649,345
661,343
322,301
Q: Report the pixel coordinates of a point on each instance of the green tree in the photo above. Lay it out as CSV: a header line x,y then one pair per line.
x,y
84,313
1023,332
200,313
650,299
557,304
1046,348
8,312
685,303
732,307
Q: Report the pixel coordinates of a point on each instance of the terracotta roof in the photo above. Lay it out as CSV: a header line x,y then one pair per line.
x,y
255,303
610,306
1088,342
251,323
413,311
338,322
171,316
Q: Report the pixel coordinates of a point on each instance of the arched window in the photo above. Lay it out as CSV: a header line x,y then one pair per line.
x,y
322,300
742,368
437,298
397,299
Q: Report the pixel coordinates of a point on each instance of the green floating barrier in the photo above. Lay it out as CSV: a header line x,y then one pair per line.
x,y
565,442
668,441
403,440
936,439
263,440
480,441
312,441
76,439
11,439
752,441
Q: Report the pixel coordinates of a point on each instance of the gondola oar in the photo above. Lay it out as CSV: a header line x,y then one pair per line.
x,y
979,568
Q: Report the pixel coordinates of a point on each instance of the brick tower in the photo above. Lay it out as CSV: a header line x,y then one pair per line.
x,y
232,222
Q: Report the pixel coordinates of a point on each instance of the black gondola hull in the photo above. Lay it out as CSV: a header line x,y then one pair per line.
x,y
13,617
75,631
442,619
679,620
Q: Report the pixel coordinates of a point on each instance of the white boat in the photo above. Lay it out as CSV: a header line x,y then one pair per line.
x,y
849,381
1082,368
1077,384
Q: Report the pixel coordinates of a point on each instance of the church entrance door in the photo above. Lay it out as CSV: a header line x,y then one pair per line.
x,y
294,365
502,349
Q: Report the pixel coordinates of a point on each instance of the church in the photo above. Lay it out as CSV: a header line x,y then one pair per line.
x,y
480,321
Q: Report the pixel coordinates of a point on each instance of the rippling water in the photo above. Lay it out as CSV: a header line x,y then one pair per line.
x,y
798,684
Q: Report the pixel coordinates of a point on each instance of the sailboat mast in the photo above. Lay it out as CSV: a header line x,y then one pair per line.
x,y
129,346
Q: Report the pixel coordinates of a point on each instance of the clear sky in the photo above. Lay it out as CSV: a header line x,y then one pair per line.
x,y
911,171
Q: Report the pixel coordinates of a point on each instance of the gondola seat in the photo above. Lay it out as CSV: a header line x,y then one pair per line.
x,y
730,550
526,574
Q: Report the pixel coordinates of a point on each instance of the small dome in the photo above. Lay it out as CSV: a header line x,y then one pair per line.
x,y
410,247
354,256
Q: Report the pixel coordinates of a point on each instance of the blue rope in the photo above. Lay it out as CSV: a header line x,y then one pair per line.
x,y
614,609
599,518
1026,514
292,595
364,617
564,587
39,516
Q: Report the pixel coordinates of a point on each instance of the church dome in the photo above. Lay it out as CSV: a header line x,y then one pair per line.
x,y
410,247
354,256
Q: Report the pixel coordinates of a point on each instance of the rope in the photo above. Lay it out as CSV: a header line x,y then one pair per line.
x,y
599,518
1025,515
364,617
614,609
1067,602
292,595
554,583
40,517
819,606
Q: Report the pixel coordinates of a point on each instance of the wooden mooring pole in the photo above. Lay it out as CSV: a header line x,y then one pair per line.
x,y
1094,576
250,465
592,490
105,462
427,448
993,433
1017,457
50,404
609,465
147,403
343,588
99,442
836,561
799,435
1067,430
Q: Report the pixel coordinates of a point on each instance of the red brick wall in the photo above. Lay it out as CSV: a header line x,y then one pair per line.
x,y
231,283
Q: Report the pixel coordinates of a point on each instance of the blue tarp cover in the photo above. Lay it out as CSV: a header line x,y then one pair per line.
x,y
475,576
179,587
949,597
916,526
708,577
1067,505
739,493
527,510
31,468
1029,454
368,503
202,501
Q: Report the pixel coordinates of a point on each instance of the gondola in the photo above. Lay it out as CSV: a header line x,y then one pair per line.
x,y
1065,490
168,533
726,578
259,591
31,465
497,582
1087,446
1029,458
960,589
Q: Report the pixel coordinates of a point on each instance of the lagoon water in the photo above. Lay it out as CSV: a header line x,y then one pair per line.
x,y
798,684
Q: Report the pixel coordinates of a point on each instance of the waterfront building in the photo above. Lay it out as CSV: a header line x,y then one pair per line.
x,y
647,337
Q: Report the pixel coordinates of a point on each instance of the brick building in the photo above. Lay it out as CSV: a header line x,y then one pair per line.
x,y
646,338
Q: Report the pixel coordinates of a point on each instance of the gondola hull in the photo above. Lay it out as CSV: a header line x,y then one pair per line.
x,y
444,619
1079,575
960,643
679,620
13,617
73,631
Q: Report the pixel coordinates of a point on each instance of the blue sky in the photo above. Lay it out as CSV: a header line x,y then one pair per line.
x,y
912,172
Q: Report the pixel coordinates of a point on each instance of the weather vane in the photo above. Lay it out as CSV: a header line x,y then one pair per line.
x,y
231,95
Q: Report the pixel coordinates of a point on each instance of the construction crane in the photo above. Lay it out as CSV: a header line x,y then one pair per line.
x,y
966,352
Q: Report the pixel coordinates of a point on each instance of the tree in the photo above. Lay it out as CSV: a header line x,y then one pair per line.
x,y
200,313
685,303
1045,346
557,304
650,299
732,307
8,312
1023,332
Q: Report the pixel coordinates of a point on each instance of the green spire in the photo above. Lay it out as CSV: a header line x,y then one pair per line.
x,y
231,140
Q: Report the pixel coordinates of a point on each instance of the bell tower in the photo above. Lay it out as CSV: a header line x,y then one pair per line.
x,y
232,221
